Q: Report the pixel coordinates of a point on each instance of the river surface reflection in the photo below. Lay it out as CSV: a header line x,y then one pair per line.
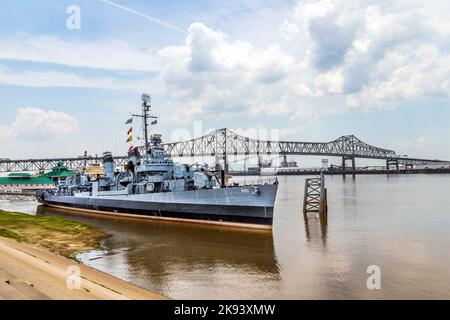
x,y
399,223
186,260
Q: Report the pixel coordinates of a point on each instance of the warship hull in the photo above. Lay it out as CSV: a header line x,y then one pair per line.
x,y
240,206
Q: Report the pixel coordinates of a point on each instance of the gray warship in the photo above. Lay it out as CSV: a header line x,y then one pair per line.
x,y
153,186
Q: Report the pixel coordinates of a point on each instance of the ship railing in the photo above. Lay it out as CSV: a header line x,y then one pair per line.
x,y
65,193
253,182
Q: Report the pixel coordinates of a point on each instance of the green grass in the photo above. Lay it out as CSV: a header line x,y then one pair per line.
x,y
59,235
9,234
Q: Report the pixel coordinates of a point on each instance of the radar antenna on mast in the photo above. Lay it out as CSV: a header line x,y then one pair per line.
x,y
146,107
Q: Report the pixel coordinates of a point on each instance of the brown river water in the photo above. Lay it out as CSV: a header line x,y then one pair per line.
x,y
400,223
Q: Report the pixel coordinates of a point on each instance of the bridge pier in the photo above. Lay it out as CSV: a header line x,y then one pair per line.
x,y
344,164
225,165
390,163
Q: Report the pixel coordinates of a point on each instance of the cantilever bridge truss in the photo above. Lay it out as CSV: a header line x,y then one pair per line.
x,y
224,143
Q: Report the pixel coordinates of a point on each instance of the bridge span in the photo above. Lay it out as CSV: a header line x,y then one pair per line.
x,y
223,143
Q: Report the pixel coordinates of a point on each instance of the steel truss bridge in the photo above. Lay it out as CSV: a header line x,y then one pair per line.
x,y
224,143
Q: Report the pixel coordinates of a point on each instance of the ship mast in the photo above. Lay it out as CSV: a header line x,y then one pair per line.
x,y
146,106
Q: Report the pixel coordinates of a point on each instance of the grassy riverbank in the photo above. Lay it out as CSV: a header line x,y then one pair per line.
x,y
61,236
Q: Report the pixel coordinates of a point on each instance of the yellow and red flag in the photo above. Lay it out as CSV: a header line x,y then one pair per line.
x,y
130,131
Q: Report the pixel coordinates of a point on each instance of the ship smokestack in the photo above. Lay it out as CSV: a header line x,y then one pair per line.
x,y
108,165
134,156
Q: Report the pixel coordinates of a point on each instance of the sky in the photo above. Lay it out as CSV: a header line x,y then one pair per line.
x,y
72,72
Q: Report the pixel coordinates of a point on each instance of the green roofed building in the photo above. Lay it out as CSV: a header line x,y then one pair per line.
x,y
25,182
16,182
19,175
59,173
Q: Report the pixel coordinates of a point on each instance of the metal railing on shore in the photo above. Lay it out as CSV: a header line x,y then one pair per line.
x,y
17,195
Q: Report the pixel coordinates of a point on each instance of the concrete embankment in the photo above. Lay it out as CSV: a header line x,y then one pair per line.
x,y
33,273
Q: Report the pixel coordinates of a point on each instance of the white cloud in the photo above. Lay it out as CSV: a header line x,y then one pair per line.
x,y
420,146
291,133
103,54
34,124
36,133
370,54
215,76
306,113
419,142
406,73
327,83
288,29
376,53
42,79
